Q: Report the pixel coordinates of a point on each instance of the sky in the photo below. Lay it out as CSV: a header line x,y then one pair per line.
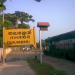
x,y
59,13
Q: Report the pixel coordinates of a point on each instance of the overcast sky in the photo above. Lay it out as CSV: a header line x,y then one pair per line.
x,y
59,13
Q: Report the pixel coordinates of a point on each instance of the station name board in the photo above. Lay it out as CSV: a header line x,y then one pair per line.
x,y
14,37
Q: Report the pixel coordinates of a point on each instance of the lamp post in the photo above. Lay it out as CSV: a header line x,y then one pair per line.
x,y
43,27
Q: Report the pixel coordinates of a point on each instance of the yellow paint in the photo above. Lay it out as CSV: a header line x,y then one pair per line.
x,y
13,37
8,51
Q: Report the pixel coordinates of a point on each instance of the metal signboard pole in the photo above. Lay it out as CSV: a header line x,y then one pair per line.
x,y
41,53
3,54
3,48
42,26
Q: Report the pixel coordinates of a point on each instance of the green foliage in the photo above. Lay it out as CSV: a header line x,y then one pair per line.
x,y
8,24
11,18
1,32
23,26
2,1
2,6
23,16
44,69
1,37
19,16
1,41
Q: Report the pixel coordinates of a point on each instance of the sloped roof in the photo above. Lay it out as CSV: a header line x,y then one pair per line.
x,y
42,24
68,35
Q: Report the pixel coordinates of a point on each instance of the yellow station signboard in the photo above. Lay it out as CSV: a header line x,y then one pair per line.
x,y
14,37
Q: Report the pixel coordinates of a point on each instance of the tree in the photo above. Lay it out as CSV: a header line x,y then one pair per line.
x,y
2,6
22,17
10,17
23,26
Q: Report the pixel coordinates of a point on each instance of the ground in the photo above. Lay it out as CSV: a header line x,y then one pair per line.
x,y
16,68
21,67
61,64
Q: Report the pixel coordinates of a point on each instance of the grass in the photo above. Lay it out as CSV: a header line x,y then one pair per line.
x,y
44,69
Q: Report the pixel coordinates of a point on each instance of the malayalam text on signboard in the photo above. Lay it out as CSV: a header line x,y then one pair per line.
x,y
13,37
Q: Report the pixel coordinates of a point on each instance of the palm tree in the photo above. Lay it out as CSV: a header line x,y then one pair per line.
x,y
2,7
